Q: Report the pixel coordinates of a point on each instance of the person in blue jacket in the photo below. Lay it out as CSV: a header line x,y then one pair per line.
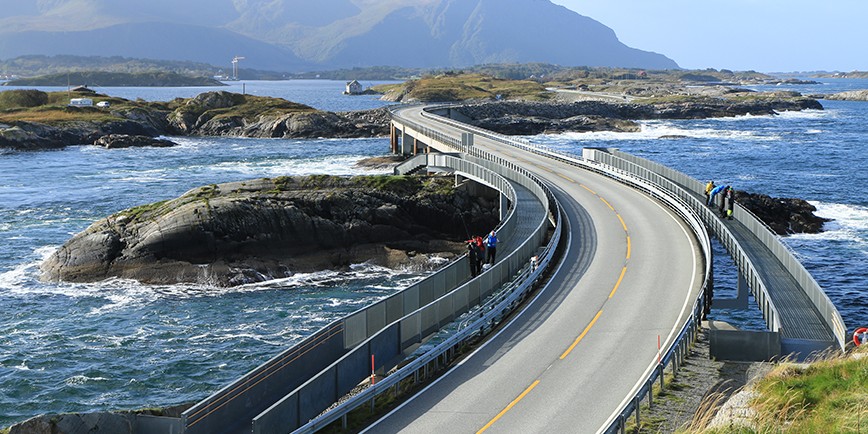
x,y
714,192
491,247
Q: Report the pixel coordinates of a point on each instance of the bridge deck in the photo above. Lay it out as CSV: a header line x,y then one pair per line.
x,y
799,318
529,212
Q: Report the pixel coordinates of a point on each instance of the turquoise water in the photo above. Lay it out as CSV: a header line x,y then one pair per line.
x,y
119,344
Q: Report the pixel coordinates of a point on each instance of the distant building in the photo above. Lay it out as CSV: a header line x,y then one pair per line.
x,y
354,88
82,89
81,102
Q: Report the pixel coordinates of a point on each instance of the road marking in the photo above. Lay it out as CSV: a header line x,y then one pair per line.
x,y
586,188
566,177
623,271
607,203
629,247
622,223
581,336
508,407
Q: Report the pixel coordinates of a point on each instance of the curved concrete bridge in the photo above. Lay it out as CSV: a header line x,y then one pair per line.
x,y
624,297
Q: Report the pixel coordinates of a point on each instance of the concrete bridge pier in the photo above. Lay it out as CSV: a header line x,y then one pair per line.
x,y
403,143
741,299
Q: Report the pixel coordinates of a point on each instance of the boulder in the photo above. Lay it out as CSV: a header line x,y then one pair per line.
x,y
243,232
783,215
113,141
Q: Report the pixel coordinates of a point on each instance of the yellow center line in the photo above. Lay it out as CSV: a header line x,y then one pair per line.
x,y
508,407
622,223
629,247
607,204
623,271
566,177
581,336
586,188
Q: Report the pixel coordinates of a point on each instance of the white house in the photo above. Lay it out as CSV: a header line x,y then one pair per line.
x,y
353,88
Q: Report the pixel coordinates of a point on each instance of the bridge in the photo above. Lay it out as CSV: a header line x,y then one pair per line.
x,y
604,275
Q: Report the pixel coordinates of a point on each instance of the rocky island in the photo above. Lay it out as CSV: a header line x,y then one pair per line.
x,y
243,232
36,120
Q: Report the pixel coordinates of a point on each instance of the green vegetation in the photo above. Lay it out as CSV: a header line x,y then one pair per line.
x,y
142,211
109,79
247,107
828,396
23,98
461,87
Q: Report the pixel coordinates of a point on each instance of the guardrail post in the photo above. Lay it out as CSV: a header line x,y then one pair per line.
x,y
636,403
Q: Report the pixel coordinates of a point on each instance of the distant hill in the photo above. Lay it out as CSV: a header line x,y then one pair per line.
x,y
301,35
110,79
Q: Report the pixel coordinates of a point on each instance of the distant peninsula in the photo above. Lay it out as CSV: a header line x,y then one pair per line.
x,y
118,79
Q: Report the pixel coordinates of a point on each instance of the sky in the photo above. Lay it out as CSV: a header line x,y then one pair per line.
x,y
742,35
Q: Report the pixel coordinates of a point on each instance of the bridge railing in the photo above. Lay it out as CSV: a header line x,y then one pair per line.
x,y
268,383
674,354
388,345
828,311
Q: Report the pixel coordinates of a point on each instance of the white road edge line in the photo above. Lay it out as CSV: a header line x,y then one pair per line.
x,y
675,328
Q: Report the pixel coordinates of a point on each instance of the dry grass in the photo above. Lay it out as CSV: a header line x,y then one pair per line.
x,y
829,395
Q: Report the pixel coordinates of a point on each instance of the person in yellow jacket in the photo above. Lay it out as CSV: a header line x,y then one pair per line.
x,y
708,188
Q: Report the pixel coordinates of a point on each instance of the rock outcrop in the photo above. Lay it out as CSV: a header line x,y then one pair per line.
x,y
528,118
853,95
114,141
230,114
783,216
243,232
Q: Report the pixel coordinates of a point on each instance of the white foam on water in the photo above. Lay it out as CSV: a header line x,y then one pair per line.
x,y
849,223
651,130
82,379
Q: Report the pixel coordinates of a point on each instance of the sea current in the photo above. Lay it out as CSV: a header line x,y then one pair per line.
x,y
122,345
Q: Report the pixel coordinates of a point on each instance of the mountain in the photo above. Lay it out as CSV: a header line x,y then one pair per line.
x,y
296,35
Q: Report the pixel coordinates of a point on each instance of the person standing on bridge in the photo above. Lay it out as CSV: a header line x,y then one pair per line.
x,y
473,255
708,188
480,249
714,192
724,197
730,204
491,247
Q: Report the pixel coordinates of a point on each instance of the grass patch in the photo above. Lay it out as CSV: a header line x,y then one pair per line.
x,y
461,87
142,211
827,396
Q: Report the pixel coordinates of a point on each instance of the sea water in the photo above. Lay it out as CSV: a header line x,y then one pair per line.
x,y
122,345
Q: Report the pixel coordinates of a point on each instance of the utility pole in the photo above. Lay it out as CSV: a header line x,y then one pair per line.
x,y
235,66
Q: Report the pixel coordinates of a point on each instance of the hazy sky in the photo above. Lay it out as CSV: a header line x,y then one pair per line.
x,y
760,35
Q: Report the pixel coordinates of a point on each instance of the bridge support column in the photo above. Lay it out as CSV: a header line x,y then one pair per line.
x,y
393,138
741,299
407,143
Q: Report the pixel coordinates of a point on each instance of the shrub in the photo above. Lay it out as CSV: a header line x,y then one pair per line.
x,y
22,98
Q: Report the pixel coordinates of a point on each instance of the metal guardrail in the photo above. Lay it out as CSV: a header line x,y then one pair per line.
x,y
391,341
770,240
494,310
295,366
675,353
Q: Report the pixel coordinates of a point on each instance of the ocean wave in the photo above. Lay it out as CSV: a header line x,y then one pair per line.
x,y
76,380
849,223
652,130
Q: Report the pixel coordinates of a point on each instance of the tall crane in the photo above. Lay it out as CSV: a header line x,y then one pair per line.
x,y
235,66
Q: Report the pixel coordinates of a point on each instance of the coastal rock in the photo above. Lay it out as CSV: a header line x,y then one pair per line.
x,y
527,118
853,95
783,215
250,231
113,141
